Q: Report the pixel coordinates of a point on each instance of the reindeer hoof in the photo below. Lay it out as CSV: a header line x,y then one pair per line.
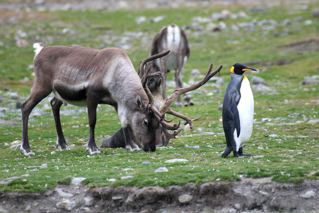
x,y
132,149
179,104
93,151
62,148
27,153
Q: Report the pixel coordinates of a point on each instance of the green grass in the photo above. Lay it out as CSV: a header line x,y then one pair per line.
x,y
284,151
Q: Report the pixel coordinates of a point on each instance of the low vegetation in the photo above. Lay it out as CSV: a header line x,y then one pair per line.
x,y
285,137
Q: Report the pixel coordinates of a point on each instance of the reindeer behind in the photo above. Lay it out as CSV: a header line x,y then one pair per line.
x,y
171,38
88,77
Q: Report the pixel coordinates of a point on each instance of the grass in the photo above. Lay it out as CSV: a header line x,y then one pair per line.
x,y
285,150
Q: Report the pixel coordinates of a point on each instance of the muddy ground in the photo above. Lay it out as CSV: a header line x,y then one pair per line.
x,y
247,195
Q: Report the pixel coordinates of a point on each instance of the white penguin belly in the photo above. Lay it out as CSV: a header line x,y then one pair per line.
x,y
246,114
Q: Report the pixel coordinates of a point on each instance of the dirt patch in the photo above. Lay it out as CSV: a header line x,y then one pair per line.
x,y
249,195
310,45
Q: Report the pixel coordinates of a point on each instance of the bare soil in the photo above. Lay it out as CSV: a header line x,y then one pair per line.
x,y
247,195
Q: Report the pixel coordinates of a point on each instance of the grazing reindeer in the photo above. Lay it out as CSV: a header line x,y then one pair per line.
x,y
152,86
88,77
174,39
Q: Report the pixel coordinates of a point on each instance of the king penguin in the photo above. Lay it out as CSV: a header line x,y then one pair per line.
x,y
238,111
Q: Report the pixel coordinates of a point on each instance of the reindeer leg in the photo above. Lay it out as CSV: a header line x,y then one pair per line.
x,y
163,69
129,144
56,105
36,96
179,83
92,148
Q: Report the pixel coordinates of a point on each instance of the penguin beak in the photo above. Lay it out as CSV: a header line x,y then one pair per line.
x,y
247,69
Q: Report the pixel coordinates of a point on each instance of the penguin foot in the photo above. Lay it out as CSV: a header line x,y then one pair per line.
x,y
226,152
245,156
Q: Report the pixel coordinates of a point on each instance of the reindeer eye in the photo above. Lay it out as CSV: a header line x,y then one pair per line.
x,y
145,122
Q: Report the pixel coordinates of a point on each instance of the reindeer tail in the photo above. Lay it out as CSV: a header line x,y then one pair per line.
x,y
37,48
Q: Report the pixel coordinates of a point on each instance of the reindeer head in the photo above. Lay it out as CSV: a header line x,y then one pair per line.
x,y
152,126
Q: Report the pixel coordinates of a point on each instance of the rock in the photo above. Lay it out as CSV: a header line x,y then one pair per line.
x,y
13,95
273,136
43,166
15,145
310,80
315,13
308,22
126,177
217,81
195,73
257,80
242,14
185,198
308,194
62,193
161,169
193,147
265,120
140,20
66,204
9,180
237,205
176,160
286,22
77,180
111,180
263,89
88,201
146,163
313,121
3,210
157,19
116,198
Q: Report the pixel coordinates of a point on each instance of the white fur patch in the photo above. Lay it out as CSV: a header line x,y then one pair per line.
x,y
173,38
246,114
37,48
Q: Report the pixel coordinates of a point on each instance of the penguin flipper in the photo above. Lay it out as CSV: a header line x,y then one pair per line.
x,y
235,97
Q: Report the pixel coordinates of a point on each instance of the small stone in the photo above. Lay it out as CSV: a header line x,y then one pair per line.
x,y
237,205
176,161
161,169
63,193
273,136
195,73
315,13
146,163
313,121
2,210
44,166
265,120
111,180
185,198
308,22
308,194
140,20
88,201
157,19
126,177
257,80
310,80
193,147
77,180
117,197
66,204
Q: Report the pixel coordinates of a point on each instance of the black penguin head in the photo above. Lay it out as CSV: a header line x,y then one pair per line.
x,y
240,69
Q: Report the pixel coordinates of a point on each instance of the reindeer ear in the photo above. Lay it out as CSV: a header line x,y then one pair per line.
x,y
139,103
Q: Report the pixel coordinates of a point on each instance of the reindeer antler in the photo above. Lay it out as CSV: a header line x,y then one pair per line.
x,y
143,75
168,102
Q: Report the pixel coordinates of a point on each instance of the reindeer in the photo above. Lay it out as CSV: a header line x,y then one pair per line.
x,y
153,86
171,38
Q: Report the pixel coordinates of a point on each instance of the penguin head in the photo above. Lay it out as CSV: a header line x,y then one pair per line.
x,y
240,69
